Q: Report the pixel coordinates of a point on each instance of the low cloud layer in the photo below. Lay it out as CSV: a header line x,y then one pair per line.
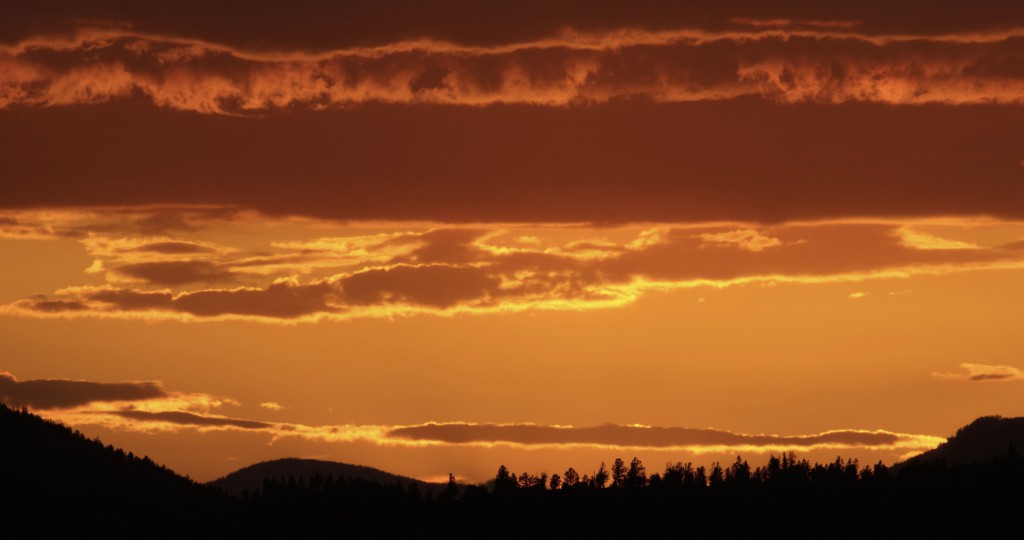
x,y
147,407
637,436
522,436
386,270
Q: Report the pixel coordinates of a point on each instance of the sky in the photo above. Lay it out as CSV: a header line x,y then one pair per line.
x,y
438,238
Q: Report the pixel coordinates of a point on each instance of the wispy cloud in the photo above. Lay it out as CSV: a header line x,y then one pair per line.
x,y
922,240
982,373
610,436
618,436
189,419
747,239
147,407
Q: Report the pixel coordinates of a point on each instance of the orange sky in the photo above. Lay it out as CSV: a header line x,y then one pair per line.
x,y
433,246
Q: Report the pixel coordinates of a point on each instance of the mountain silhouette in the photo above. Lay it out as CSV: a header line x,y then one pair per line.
x,y
42,455
982,440
251,478
55,482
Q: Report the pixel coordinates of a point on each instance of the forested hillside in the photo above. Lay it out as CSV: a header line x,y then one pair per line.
x,y
56,482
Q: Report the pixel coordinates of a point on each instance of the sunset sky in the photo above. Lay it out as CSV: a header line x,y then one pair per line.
x,y
440,237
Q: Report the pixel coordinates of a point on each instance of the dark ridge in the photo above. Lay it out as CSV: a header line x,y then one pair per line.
x,y
982,440
46,467
56,483
50,456
251,478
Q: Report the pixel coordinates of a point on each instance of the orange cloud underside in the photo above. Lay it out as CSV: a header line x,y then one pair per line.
x,y
246,266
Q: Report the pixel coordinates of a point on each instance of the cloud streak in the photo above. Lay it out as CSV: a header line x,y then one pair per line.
x,y
176,272
190,419
782,64
527,436
983,373
68,393
147,407
635,436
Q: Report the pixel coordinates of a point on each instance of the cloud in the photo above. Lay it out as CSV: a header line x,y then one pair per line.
x,y
621,162
129,300
816,63
747,239
162,220
922,240
982,373
12,228
438,286
190,419
607,436
67,393
640,437
174,248
58,306
176,272
126,229
680,117
447,270
316,26
280,300
284,300
146,407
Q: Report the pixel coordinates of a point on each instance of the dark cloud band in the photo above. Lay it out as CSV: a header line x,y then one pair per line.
x,y
628,436
567,69
190,419
66,393
617,163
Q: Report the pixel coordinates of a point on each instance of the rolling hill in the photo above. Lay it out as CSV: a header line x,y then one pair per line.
x,y
55,482
986,438
251,477
45,456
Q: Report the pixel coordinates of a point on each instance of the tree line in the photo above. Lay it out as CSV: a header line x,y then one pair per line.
x,y
54,482
783,468
788,494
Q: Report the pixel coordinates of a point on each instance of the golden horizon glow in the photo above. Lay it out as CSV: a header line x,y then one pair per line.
x,y
540,237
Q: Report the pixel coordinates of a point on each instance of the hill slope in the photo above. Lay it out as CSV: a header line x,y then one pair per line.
x,y
39,454
55,482
251,477
986,438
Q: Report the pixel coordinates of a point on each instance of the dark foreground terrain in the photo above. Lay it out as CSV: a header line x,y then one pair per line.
x,y
54,482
